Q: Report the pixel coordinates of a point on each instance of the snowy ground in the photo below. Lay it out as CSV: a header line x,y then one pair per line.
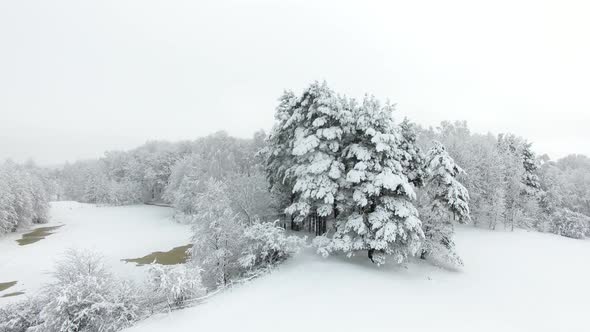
x,y
115,232
511,282
517,281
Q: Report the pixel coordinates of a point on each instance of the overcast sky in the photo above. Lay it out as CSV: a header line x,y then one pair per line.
x,y
81,77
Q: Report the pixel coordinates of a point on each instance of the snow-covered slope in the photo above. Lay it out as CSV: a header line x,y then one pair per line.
x,y
114,232
511,282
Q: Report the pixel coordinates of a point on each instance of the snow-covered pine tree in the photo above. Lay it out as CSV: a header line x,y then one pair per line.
x,y
305,148
531,169
379,215
521,173
413,158
277,153
449,201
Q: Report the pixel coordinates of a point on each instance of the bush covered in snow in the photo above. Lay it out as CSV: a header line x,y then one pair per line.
x,y
19,316
227,243
569,223
267,244
175,284
85,297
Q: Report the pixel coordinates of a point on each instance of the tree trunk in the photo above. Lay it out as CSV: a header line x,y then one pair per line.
x,y
370,254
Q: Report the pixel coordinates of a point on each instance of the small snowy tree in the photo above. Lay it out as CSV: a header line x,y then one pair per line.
x,y
521,176
217,235
267,244
448,202
40,202
175,284
86,298
530,179
250,197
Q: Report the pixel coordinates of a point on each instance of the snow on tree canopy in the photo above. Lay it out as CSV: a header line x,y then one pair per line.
x,y
443,172
305,148
380,217
413,160
328,152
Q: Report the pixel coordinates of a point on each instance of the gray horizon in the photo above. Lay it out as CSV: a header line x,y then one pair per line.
x,y
78,79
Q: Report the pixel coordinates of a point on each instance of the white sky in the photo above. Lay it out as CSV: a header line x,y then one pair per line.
x,y
81,77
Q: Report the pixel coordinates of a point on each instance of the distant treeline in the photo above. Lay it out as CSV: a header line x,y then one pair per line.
x,y
494,166
495,172
508,183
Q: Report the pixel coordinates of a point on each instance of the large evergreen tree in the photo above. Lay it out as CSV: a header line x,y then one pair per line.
x,y
380,216
305,148
333,156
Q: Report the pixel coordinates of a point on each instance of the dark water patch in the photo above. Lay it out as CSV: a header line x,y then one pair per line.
x,y
177,255
13,294
36,235
7,285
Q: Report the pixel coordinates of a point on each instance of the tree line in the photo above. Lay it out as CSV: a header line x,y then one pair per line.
x,y
391,189
25,191
335,156
395,189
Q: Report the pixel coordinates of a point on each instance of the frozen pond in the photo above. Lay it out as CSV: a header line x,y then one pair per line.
x,y
117,233
177,255
36,235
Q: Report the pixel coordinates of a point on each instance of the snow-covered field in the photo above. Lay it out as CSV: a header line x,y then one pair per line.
x,y
521,281
114,232
517,281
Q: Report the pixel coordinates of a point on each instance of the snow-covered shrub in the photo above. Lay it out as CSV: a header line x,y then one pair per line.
x,y
20,316
267,244
124,193
175,284
85,297
569,223
322,244
227,244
